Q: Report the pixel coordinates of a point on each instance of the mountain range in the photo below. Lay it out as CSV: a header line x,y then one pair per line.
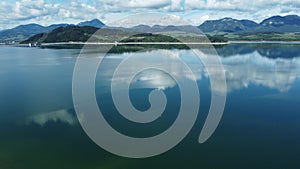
x,y
274,24
93,23
23,32
280,24
64,34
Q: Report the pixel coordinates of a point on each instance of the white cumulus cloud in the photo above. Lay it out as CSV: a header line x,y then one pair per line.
x,y
13,13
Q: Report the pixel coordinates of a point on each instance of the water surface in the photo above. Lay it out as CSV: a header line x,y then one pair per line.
x,y
259,129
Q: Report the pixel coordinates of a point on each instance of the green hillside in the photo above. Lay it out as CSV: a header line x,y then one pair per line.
x,y
64,34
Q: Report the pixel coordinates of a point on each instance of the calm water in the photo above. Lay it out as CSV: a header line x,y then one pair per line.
x,y
259,129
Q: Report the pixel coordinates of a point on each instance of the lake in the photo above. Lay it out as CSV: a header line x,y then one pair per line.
x,y
259,128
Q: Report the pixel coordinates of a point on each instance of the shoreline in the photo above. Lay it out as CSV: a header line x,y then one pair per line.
x,y
264,42
117,44
154,43
134,43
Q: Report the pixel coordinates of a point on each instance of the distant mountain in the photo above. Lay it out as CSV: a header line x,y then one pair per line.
x,y
272,28
228,25
64,34
54,26
160,28
278,21
281,24
23,32
142,28
84,33
94,23
171,28
248,23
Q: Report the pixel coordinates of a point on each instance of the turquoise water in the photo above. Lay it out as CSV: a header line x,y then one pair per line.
x,y
259,129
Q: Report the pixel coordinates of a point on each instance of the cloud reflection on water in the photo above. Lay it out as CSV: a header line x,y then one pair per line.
x,y
63,116
151,78
241,70
254,69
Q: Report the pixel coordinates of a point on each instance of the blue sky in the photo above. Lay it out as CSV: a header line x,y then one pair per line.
x,y
46,12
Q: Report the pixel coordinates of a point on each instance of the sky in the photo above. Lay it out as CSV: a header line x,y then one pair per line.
x,y
194,12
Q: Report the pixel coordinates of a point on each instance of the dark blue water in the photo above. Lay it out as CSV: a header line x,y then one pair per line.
x,y
259,129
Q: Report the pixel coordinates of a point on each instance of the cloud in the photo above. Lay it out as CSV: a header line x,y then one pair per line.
x,y
57,116
143,4
238,5
25,10
13,13
151,19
